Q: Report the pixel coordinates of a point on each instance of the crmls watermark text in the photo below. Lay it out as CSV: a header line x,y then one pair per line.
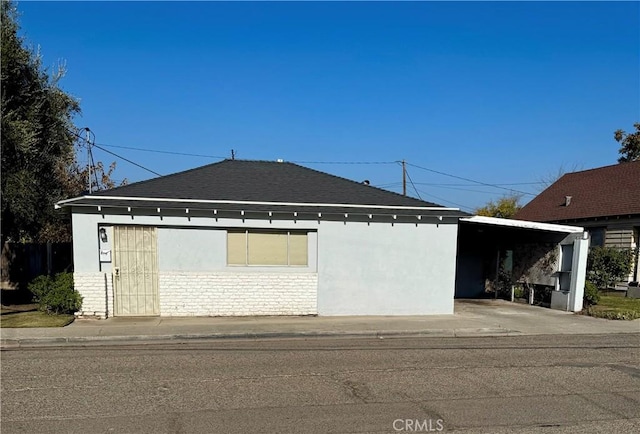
x,y
416,425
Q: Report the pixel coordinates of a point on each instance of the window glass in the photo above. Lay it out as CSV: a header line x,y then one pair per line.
x,y
597,236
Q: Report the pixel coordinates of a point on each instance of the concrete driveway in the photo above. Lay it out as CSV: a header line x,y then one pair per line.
x,y
535,320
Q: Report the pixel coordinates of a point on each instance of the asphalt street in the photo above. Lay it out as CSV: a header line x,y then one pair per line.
x,y
548,384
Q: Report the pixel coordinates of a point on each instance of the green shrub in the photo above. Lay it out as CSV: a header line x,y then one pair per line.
x,y
518,292
56,294
40,286
608,265
591,294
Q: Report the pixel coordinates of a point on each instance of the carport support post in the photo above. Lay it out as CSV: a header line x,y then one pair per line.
x,y
578,272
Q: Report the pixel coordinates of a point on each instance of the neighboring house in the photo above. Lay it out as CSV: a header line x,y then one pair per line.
x,y
605,201
261,238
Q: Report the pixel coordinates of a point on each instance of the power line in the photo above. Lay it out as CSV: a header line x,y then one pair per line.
x,y
447,201
499,186
414,186
133,148
471,180
75,133
441,199
438,184
112,153
187,154
445,187
463,185
162,152
465,189
127,160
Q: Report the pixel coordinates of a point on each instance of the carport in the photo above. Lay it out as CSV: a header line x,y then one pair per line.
x,y
504,258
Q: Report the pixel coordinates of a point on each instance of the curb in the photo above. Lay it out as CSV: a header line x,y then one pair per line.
x,y
134,339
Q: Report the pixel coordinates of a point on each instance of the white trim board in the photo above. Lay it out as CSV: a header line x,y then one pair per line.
x,y
524,224
242,202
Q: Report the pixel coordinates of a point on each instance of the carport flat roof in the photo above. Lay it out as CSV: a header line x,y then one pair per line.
x,y
524,224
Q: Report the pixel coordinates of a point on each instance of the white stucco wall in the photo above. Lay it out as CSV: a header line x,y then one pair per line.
x,y
384,269
85,242
196,249
355,268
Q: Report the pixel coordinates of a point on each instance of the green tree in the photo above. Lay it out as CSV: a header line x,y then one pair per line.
x,y
629,144
74,182
607,265
37,142
39,164
505,207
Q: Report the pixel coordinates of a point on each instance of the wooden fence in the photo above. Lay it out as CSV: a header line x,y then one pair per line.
x,y
21,262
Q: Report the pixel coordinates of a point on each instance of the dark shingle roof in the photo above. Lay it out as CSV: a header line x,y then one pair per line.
x,y
605,191
259,181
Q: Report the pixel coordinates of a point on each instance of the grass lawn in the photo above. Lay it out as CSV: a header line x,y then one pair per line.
x,y
615,307
33,319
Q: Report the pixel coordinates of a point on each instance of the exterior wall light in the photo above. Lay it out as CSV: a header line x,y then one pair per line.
x,y
103,235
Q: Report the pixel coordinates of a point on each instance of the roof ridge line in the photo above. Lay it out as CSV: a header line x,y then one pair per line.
x,y
620,164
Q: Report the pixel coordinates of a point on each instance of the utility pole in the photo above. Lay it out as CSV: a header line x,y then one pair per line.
x,y
89,156
404,178
90,162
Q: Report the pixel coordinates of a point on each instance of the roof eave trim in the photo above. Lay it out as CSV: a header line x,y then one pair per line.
x,y
59,204
68,202
523,224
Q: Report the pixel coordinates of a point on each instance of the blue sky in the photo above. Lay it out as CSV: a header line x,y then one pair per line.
x,y
498,92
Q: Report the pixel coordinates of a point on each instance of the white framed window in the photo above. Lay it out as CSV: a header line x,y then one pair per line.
x,y
267,248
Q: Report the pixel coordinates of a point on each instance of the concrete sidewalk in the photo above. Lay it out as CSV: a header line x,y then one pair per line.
x,y
471,318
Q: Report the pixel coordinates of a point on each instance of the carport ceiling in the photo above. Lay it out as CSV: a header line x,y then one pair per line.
x,y
504,232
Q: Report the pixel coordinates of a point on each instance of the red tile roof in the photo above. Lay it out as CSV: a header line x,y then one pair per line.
x,y
605,191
